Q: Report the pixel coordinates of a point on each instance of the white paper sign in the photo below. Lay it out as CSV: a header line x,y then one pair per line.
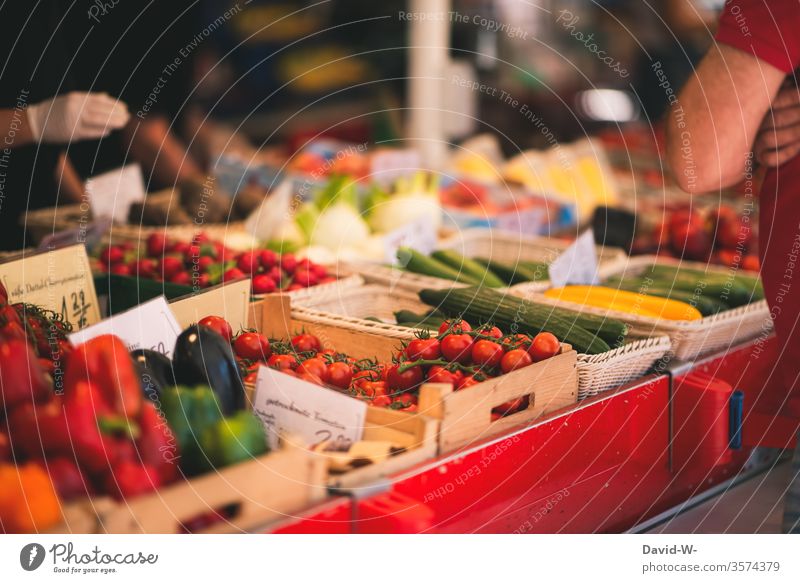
x,y
111,194
150,325
230,301
419,234
577,264
288,404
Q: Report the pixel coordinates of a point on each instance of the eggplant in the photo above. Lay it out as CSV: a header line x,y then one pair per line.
x,y
204,357
155,370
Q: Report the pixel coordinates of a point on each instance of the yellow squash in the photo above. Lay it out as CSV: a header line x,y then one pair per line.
x,y
634,303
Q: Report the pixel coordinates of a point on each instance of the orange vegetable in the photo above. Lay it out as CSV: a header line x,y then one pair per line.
x,y
28,501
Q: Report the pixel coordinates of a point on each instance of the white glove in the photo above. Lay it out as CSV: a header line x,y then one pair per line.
x,y
76,116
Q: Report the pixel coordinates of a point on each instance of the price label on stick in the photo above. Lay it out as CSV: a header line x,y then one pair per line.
x,y
577,264
290,405
419,234
150,325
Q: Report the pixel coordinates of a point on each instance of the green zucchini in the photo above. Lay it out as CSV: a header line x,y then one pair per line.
x,y
510,274
416,262
487,305
707,305
471,267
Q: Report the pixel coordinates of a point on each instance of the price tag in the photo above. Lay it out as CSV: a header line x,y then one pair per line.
x,y
150,325
288,404
419,234
389,164
230,301
59,280
111,194
577,264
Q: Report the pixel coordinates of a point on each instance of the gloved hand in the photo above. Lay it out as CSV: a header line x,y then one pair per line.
x,y
76,116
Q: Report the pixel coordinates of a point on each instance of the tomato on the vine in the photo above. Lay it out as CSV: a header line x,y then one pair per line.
x,y
407,380
372,389
381,401
517,341
340,374
460,326
306,343
492,332
487,353
515,359
315,366
308,377
544,346
510,407
252,346
457,348
282,362
467,382
218,325
439,374
422,349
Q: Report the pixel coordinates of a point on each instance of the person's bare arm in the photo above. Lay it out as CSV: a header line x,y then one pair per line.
x,y
15,130
70,185
712,125
778,139
159,151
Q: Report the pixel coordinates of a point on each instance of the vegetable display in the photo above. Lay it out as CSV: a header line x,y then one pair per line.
x,y
587,334
202,263
449,264
458,355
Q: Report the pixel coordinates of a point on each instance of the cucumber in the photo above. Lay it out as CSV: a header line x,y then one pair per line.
x,y
487,305
472,268
539,268
735,289
416,262
430,320
510,274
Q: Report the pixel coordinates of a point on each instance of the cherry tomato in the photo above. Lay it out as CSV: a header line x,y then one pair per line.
x,y
457,348
493,332
218,325
288,263
308,377
486,353
306,343
268,259
462,326
404,401
517,341
404,381
372,389
252,346
251,378
514,359
439,374
263,284
511,406
340,374
423,348
315,366
282,362
381,401
232,274
467,382
544,346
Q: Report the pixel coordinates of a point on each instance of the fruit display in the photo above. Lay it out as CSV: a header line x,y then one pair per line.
x,y
201,263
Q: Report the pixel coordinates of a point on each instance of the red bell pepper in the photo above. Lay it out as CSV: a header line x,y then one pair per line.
x,y
104,361
21,376
156,444
129,479
67,478
39,430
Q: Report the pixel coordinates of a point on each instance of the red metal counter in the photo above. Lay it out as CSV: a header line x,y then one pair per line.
x,y
604,465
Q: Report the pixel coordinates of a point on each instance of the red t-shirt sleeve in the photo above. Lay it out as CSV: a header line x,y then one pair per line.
x,y
767,29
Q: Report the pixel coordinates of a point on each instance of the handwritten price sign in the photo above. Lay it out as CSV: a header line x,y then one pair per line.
x,y
59,280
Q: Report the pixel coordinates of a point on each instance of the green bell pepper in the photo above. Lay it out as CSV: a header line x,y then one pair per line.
x,y
189,412
235,439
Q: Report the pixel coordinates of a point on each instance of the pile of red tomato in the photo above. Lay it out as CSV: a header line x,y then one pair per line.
x,y
458,355
202,263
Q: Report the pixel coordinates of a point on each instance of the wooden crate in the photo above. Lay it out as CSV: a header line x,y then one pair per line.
x,y
264,489
464,416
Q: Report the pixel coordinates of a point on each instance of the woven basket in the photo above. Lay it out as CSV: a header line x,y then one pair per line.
x,y
495,245
601,372
690,339
43,222
596,373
